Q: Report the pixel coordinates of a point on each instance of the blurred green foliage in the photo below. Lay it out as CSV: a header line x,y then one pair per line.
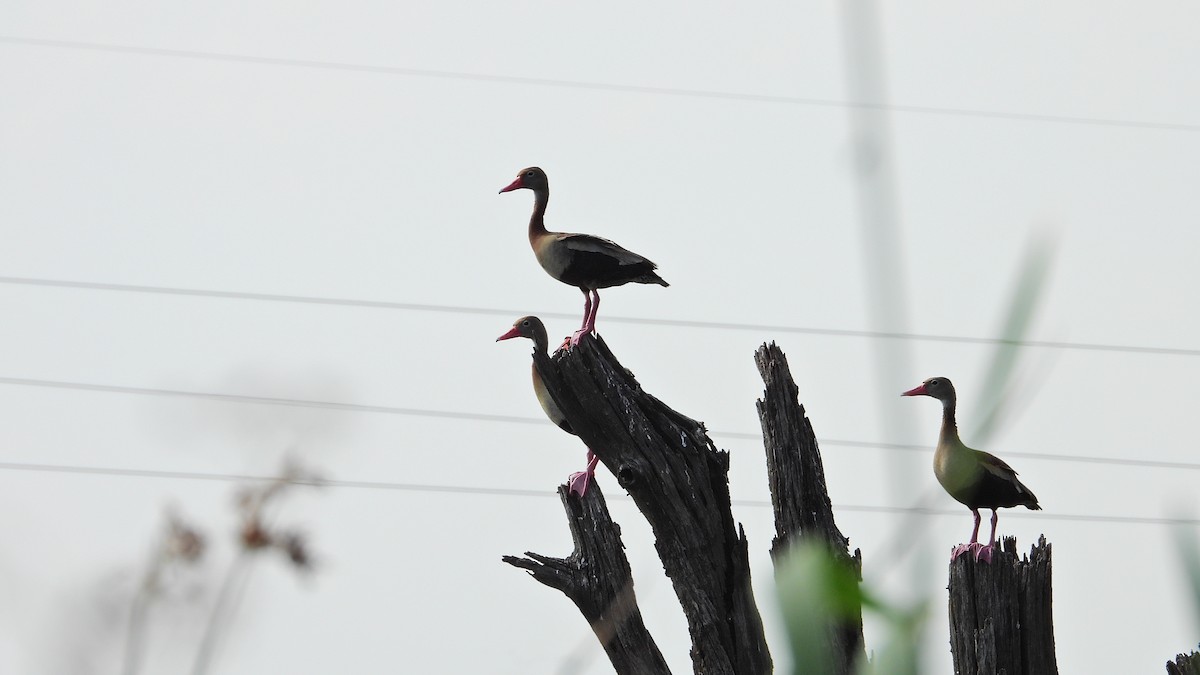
x,y
819,591
1022,308
1189,554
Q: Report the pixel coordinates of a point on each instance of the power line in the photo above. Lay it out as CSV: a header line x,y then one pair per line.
x,y
249,478
641,321
1040,515
517,419
1046,456
593,86
509,492
268,400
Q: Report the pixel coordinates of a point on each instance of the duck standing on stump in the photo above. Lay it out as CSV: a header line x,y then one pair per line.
x,y
580,260
973,477
531,327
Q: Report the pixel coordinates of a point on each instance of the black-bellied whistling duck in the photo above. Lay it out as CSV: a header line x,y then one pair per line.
x,y
973,477
531,327
580,260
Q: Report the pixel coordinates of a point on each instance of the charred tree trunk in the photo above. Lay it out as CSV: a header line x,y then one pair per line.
x,y
1001,619
798,493
596,577
1184,664
679,481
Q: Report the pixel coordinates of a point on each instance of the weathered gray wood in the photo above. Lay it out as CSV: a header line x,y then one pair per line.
x,y
1185,664
597,578
799,496
1037,611
679,481
1001,619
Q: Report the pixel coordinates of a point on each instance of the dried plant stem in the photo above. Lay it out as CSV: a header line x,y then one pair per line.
x,y
136,631
222,607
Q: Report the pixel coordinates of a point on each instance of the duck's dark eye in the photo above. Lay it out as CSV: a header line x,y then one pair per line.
x,y
529,174
525,322
934,382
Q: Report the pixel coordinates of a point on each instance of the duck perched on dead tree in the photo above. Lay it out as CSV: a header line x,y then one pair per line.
x,y
973,477
532,327
581,260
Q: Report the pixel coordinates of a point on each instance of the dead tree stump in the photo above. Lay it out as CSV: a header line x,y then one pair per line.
x,y
1185,664
679,481
596,577
799,496
1001,619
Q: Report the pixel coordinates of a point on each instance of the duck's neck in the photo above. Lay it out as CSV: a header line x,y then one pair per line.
x,y
541,343
949,435
537,226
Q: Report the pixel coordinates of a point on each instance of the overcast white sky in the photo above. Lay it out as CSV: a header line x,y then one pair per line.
x,y
353,150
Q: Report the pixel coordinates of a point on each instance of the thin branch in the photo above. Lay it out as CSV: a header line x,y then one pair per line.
x,y
597,578
180,543
136,630
220,615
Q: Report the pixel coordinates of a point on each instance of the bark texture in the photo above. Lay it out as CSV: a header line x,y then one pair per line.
x,y
596,577
679,481
1185,664
1001,619
799,495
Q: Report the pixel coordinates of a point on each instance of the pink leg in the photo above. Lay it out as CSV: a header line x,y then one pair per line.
x,y
963,548
591,324
587,314
985,552
587,307
578,482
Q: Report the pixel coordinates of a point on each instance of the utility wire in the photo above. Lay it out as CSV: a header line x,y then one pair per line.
x,y
641,321
268,400
593,86
548,494
518,419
